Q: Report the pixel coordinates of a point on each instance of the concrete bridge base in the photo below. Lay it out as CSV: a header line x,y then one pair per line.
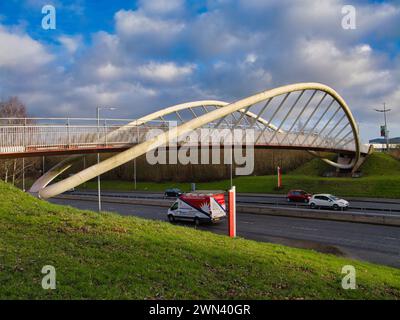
x,y
346,159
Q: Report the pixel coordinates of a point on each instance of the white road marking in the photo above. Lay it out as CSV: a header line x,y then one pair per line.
x,y
390,238
304,228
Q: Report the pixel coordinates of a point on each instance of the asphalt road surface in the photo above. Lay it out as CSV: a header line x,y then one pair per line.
x,y
373,243
388,206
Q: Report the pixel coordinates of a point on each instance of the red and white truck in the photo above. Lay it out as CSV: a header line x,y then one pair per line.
x,y
198,206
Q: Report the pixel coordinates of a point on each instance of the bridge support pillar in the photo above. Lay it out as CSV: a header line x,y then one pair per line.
x,y
359,163
345,159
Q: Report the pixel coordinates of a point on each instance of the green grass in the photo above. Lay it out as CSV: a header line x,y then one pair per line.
x,y
377,164
381,178
107,256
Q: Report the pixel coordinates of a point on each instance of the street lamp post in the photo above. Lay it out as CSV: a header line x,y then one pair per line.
x,y
134,160
384,111
231,165
98,154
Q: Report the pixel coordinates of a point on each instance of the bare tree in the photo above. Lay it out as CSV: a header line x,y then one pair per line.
x,y
12,111
12,108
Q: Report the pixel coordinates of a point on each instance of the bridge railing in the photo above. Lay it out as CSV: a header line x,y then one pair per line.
x,y
27,134
19,135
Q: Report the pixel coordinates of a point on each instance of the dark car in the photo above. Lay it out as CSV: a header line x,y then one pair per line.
x,y
298,196
174,192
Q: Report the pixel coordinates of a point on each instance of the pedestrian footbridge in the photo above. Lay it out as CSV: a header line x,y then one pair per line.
x,y
304,116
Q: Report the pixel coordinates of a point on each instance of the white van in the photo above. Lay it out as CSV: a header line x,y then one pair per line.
x,y
198,206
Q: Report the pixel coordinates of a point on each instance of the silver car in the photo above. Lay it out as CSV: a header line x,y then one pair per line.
x,y
328,201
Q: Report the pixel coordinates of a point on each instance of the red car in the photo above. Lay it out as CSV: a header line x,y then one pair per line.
x,y
298,196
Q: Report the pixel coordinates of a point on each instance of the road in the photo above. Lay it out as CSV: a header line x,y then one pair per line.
x,y
373,243
391,206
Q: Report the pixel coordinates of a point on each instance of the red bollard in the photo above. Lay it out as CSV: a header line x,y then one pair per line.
x,y
232,212
279,178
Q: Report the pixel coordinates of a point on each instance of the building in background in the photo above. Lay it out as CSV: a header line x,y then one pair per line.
x,y
380,143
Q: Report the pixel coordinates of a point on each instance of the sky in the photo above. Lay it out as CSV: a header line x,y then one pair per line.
x,y
141,56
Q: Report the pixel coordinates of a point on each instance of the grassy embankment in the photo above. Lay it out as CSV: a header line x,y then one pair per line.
x,y
381,178
108,256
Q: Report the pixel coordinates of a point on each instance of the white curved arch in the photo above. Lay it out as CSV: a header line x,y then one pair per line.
x,y
64,165
183,106
161,139
53,173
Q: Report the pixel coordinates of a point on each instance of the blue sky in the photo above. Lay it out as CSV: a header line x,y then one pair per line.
x,y
145,55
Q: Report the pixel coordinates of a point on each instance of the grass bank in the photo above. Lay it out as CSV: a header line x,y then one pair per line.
x,y
106,256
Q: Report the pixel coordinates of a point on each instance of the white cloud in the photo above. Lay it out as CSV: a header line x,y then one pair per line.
x,y
380,19
351,67
109,71
251,58
218,35
162,6
101,94
20,53
166,72
71,43
131,23
117,95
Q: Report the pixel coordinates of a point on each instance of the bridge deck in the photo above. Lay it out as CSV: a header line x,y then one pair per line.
x,y
38,152
18,141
